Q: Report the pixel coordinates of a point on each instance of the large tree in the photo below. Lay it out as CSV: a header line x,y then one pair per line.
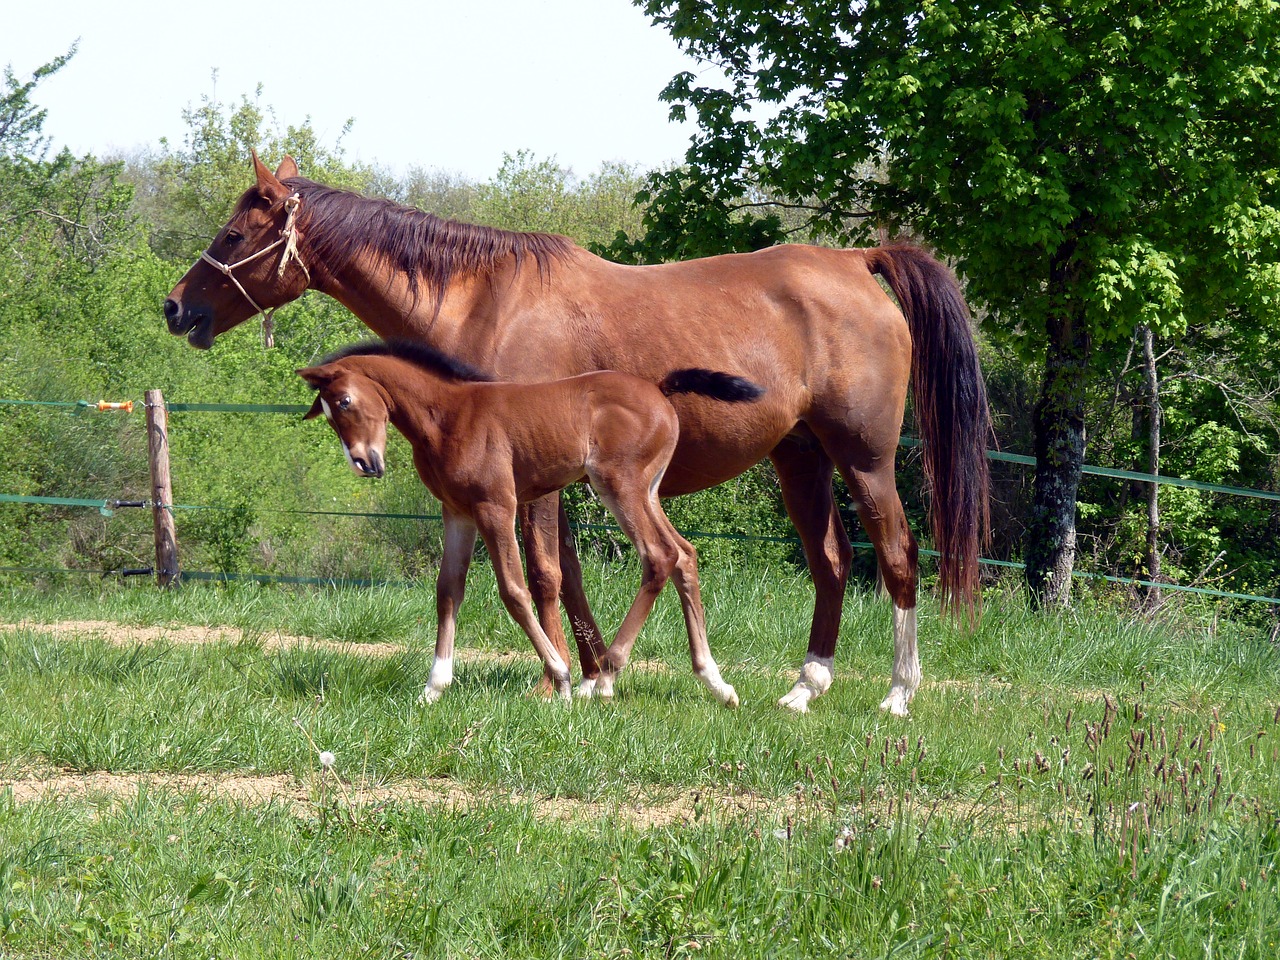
x,y
1090,167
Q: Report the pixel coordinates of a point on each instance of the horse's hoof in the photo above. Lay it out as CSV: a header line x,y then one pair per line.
x,y
604,687
731,698
798,697
429,695
587,688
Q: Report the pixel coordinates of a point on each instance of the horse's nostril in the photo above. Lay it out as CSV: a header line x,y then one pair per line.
x,y
171,309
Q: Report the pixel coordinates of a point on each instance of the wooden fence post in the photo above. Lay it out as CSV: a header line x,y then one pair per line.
x,y
161,489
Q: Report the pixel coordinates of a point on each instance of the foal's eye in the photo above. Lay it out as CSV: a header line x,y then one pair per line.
x,y
344,403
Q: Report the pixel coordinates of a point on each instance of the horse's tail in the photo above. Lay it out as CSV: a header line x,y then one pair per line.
x,y
951,410
710,383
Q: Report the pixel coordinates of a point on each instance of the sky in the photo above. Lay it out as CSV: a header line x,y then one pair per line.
x,y
449,85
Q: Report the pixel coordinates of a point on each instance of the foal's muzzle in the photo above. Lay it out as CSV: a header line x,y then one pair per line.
x,y
371,467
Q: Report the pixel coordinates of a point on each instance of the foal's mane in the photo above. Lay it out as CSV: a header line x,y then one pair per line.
x,y
415,352
337,226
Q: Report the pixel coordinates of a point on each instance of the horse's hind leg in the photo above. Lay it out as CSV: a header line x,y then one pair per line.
x,y
875,494
804,474
540,528
497,528
880,510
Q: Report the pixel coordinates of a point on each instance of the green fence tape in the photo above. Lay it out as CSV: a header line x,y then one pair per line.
x,y
236,408
78,404
1118,474
102,506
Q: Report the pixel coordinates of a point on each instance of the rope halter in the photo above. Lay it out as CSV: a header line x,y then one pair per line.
x,y
288,239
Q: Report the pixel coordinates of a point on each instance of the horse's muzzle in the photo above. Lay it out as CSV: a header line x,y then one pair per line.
x,y
195,323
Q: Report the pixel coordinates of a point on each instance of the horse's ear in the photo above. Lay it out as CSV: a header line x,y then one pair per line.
x,y
316,409
288,168
269,185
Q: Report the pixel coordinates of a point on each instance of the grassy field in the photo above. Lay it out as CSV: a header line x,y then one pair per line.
x,y
1076,785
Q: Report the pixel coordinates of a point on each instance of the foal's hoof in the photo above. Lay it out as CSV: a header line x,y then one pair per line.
x,y
545,689
730,698
587,688
896,702
429,695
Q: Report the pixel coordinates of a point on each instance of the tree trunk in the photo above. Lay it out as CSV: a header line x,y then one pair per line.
x,y
1059,450
1154,414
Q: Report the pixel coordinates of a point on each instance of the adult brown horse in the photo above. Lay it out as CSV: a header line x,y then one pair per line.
x,y
808,324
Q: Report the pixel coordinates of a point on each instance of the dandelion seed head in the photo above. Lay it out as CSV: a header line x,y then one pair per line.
x,y
327,759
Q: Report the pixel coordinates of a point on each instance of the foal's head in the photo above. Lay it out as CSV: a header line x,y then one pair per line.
x,y
357,395
357,408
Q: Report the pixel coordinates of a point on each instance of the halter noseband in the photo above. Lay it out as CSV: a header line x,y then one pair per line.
x,y
289,238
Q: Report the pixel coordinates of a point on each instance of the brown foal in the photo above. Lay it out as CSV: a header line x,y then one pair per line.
x,y
482,448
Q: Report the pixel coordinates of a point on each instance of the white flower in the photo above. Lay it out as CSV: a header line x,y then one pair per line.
x,y
327,759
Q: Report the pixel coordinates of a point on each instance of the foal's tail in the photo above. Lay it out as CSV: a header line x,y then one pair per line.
x,y
950,402
710,383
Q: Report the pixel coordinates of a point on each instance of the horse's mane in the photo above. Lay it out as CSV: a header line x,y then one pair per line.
x,y
415,352
337,226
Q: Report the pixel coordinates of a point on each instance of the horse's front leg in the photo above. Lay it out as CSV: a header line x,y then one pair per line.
x,y
586,633
497,527
451,584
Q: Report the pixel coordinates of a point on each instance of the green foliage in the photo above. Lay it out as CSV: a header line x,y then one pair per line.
x,y
1089,168
540,195
186,192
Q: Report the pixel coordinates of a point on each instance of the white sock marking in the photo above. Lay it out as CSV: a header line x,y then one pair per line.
x,y
906,663
814,680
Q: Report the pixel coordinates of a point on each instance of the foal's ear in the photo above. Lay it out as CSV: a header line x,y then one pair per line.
x,y
269,185
317,377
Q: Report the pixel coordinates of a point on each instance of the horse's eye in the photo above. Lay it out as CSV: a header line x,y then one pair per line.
x,y
232,238
344,403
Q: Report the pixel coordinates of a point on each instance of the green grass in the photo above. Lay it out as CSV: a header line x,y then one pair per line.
x,y
1070,785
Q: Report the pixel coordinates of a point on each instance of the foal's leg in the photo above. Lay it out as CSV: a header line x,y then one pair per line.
x,y
459,544
685,577
497,527
658,557
805,474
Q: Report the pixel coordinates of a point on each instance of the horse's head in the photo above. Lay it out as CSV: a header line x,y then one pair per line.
x,y
251,267
357,409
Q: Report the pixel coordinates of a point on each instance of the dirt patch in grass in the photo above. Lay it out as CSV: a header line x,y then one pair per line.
x,y
128,635
306,798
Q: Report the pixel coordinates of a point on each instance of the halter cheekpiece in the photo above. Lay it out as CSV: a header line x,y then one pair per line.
x,y
289,239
